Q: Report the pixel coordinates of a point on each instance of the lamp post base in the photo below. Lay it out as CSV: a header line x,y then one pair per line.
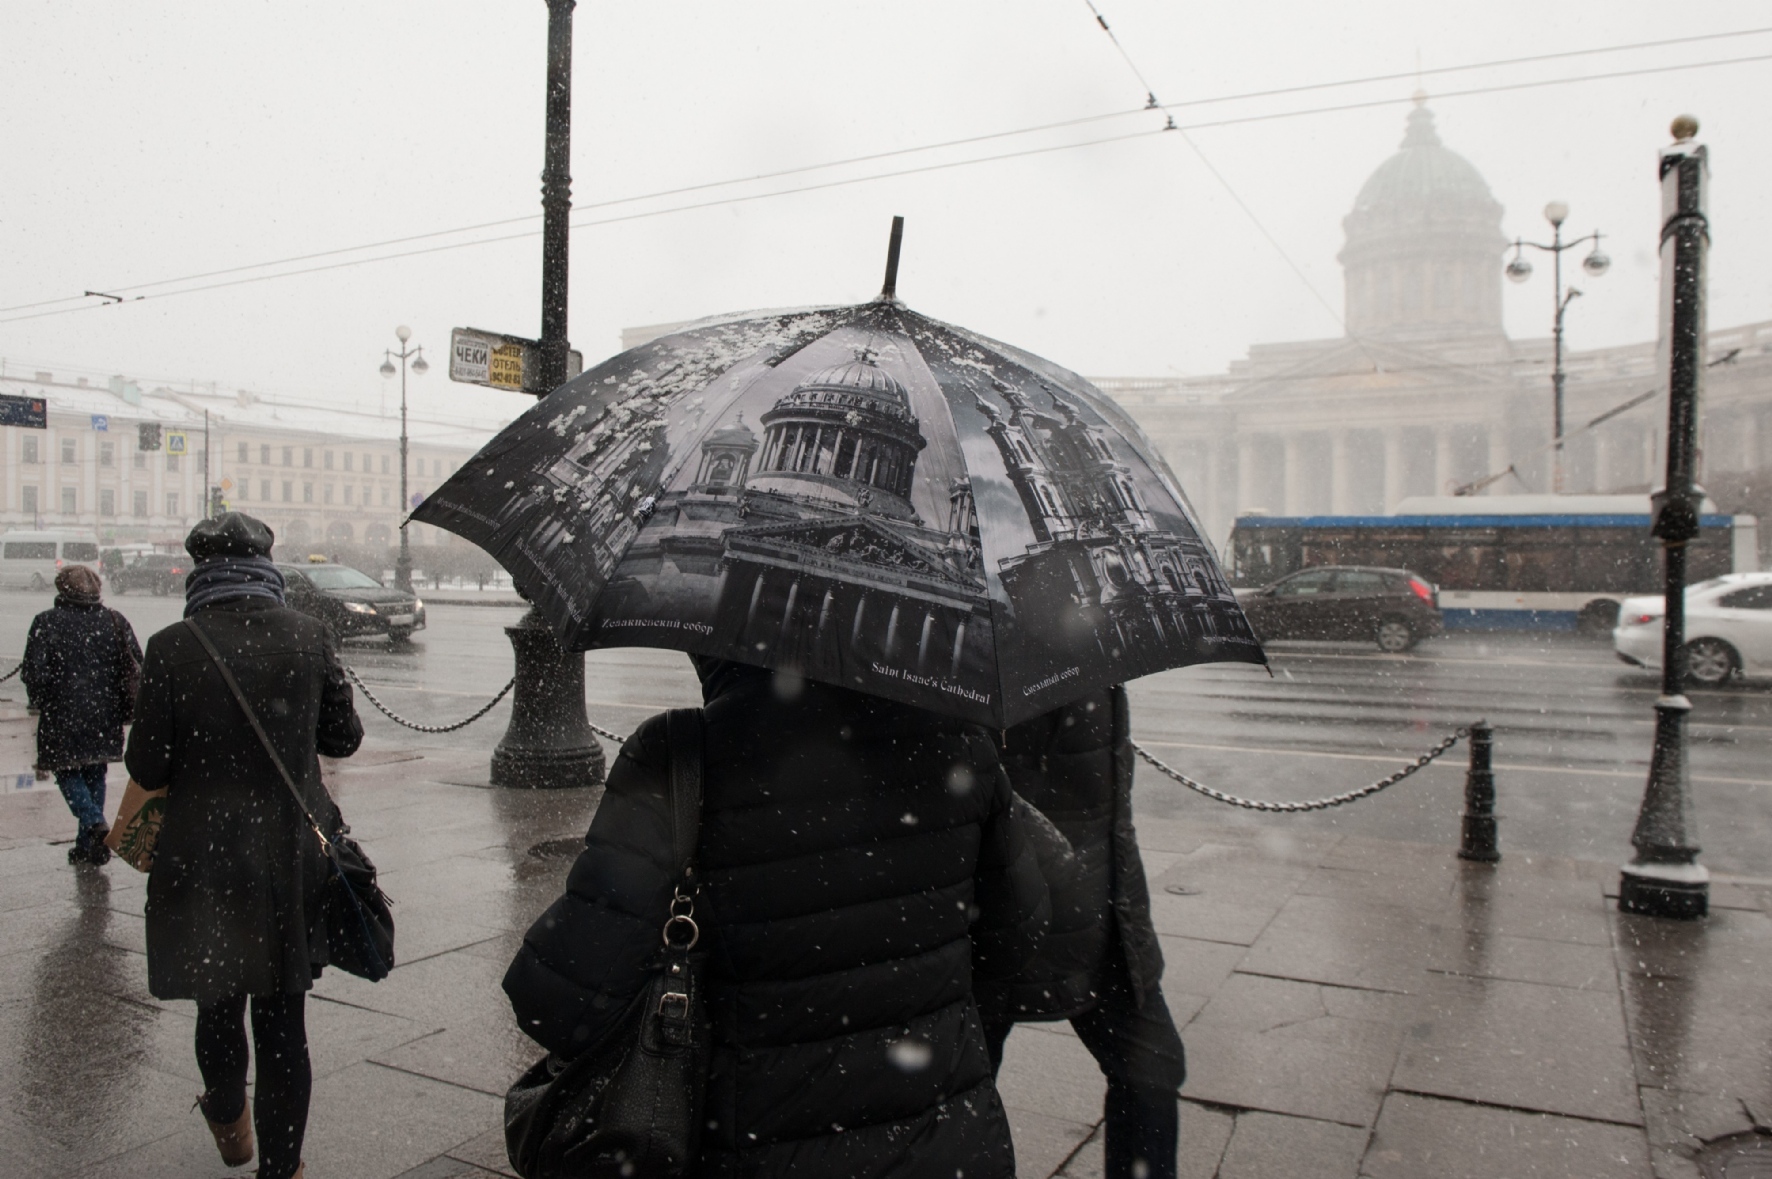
x,y
549,745
1679,891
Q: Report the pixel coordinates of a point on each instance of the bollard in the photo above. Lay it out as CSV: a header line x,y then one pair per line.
x,y
1479,799
549,743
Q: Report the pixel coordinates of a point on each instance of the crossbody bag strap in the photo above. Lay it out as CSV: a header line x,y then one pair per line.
x,y
264,738
684,735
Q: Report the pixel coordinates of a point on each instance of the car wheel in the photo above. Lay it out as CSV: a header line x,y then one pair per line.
x,y
37,582
399,638
1598,617
161,589
1395,636
1710,661
119,587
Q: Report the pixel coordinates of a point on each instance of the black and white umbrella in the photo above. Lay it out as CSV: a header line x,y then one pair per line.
x,y
862,494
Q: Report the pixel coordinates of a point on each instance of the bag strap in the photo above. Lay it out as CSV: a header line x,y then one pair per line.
x,y
684,734
263,737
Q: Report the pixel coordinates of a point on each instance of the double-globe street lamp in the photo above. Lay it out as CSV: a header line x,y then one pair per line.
x,y
1519,270
416,355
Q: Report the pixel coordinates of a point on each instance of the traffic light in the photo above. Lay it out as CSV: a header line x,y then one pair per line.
x,y
148,436
217,505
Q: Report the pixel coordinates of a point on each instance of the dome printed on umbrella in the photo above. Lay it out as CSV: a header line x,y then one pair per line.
x,y
865,495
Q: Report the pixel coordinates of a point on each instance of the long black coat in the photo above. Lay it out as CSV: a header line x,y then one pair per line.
x,y
233,898
1075,765
861,863
75,660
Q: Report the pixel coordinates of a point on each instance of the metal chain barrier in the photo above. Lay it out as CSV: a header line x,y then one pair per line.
x,y
606,734
13,672
1316,804
400,720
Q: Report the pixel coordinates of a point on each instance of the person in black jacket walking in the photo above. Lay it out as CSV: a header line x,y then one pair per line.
x,y
1104,972
234,896
80,661
861,864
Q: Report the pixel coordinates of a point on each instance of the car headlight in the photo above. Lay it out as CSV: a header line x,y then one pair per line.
x,y
418,605
359,607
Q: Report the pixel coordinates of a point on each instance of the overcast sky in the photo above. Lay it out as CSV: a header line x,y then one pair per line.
x,y
145,142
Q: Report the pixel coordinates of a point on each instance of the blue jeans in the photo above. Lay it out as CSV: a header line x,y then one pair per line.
x,y
84,789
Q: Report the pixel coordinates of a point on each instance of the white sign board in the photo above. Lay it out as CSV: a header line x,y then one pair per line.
x,y
470,357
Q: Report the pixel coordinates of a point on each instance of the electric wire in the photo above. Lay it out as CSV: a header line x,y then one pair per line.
x,y
1195,126
1212,100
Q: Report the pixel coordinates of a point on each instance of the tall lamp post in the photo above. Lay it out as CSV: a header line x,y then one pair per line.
x,y
1665,878
416,355
1519,270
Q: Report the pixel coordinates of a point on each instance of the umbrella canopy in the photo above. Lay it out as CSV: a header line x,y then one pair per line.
x,y
862,494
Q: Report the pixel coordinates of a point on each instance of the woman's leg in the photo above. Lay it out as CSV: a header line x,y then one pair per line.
x,y
285,1081
221,1058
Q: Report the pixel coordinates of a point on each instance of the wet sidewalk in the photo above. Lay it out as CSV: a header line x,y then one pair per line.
x,y
1352,1007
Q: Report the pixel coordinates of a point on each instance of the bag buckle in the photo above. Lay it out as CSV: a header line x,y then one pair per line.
x,y
673,1005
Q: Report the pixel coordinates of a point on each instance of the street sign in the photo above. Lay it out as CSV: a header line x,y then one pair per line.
x,y
175,441
418,497
101,422
30,412
498,361
227,485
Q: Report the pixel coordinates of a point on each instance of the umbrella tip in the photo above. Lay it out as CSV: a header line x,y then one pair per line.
x,y
889,292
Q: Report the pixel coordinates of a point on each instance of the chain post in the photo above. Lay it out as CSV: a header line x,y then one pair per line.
x,y
1479,843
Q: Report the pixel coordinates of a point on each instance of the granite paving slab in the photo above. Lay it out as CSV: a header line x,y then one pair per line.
x,y
1265,1145
1417,1137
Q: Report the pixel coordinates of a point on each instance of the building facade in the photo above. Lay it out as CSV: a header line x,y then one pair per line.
x,y
1425,394
315,475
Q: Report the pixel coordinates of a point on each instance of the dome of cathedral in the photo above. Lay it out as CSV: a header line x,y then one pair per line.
x,y
737,434
1424,173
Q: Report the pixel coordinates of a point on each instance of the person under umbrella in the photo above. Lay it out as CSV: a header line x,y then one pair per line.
x,y
81,660
234,895
1102,968
861,864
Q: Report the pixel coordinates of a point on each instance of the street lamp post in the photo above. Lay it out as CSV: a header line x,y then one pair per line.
x,y
1665,878
1519,270
416,355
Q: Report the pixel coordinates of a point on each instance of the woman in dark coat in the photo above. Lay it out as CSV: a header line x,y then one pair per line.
x,y
1104,971
79,660
860,865
234,895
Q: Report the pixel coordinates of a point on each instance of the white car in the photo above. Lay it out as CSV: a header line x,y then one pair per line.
x,y
1728,628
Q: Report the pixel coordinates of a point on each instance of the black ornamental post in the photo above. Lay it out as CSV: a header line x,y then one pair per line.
x,y
1665,878
549,743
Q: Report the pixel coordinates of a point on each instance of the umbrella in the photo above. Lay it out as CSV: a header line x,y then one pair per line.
x,y
862,494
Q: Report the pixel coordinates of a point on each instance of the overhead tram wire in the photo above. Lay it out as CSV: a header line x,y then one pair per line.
x,y
1216,100
1185,127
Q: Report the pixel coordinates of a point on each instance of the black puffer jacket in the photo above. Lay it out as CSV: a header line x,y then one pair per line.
x,y
234,896
861,862
76,658
1075,765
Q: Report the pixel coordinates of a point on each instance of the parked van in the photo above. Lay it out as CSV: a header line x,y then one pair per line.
x,y
30,560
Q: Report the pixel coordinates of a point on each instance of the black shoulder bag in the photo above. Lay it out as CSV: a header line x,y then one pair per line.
x,y
359,925
631,1104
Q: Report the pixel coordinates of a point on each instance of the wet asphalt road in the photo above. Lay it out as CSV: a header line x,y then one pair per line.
x,y
1573,728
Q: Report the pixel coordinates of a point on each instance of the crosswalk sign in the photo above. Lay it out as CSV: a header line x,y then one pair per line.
x,y
175,442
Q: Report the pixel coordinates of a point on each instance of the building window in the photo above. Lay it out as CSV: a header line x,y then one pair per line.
x,y
328,493
245,489
328,460
243,452
172,503
264,456
288,492
30,450
348,457
172,463
107,454
348,493
69,454
307,493
141,460
289,456
202,459
264,489
307,456
141,504
30,500
387,496
107,502
70,503
367,461
368,495
385,459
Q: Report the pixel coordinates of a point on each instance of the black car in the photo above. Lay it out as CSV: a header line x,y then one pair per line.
x,y
161,573
1391,607
351,602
